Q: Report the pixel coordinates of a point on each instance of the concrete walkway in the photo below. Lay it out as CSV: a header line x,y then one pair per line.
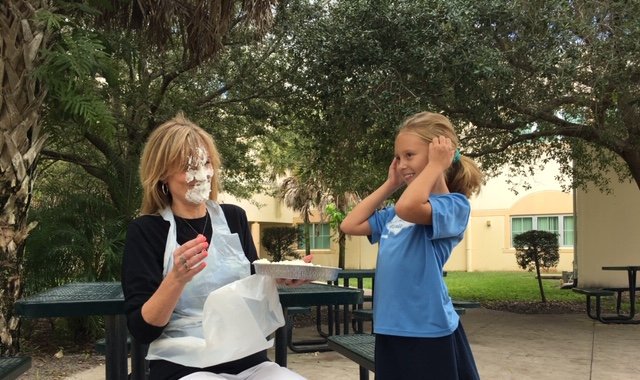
x,y
508,346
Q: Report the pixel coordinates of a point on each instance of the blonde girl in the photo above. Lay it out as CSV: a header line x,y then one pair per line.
x,y
418,332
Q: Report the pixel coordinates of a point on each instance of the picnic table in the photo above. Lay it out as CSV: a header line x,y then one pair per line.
x,y
313,294
599,293
106,298
358,312
632,271
82,299
359,274
333,313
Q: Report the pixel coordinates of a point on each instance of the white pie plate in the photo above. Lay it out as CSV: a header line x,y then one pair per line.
x,y
298,271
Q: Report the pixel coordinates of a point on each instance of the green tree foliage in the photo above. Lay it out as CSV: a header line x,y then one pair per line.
x,y
79,235
336,216
140,85
279,242
326,115
525,82
537,249
106,74
108,89
303,195
74,70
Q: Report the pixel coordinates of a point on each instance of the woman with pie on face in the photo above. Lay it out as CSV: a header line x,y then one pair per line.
x,y
184,246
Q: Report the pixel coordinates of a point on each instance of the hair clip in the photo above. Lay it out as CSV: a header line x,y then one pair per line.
x,y
456,156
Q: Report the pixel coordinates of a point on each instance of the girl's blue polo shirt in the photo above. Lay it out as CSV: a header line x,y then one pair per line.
x,y
411,298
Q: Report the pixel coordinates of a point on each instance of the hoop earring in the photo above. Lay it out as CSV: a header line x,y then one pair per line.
x,y
164,188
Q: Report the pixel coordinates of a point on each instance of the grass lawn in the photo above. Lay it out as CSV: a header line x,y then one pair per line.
x,y
505,286
501,287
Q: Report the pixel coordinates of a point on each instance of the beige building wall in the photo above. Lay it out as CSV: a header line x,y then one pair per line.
x,y
262,211
265,211
608,228
487,242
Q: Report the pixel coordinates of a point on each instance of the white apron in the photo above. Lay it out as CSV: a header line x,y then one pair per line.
x,y
223,313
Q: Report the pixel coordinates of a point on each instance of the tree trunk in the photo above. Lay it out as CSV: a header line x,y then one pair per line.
x,y
307,234
342,204
632,158
539,277
342,242
21,38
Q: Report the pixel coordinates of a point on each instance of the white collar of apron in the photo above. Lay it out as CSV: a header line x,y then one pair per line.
x,y
212,207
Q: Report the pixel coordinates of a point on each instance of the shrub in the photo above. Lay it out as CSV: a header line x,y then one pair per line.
x,y
279,242
537,249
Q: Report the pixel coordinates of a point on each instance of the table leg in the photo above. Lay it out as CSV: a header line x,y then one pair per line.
x,y
330,320
345,319
319,322
281,342
632,292
627,319
116,339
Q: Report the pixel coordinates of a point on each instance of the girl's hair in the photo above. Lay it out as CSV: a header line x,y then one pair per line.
x,y
167,152
463,176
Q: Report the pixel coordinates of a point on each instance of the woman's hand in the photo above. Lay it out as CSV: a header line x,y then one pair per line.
x,y
292,281
187,262
188,259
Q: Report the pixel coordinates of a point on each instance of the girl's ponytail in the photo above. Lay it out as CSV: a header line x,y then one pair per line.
x,y
464,176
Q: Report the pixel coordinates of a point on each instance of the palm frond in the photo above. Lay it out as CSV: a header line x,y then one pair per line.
x,y
200,25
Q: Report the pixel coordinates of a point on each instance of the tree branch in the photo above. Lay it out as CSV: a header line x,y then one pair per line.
x,y
77,160
241,74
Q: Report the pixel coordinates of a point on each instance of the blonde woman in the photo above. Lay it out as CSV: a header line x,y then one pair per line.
x,y
182,247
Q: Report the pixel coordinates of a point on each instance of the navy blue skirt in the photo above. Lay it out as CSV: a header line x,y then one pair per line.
x,y
445,358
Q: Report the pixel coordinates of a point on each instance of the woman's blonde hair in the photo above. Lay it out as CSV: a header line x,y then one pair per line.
x,y
166,152
463,176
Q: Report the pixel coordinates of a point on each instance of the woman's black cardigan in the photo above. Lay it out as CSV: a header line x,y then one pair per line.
x,y
142,273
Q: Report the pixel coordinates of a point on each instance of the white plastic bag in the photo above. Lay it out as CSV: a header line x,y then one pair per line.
x,y
237,318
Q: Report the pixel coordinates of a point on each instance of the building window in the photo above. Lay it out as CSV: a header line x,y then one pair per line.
x,y
319,236
567,231
520,225
558,224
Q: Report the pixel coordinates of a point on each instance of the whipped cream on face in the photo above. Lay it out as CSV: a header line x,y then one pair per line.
x,y
200,171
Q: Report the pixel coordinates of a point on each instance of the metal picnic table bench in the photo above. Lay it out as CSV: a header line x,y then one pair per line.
x,y
12,367
357,347
602,292
596,293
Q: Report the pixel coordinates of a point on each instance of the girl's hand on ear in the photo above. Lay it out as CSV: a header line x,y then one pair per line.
x,y
394,177
441,152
